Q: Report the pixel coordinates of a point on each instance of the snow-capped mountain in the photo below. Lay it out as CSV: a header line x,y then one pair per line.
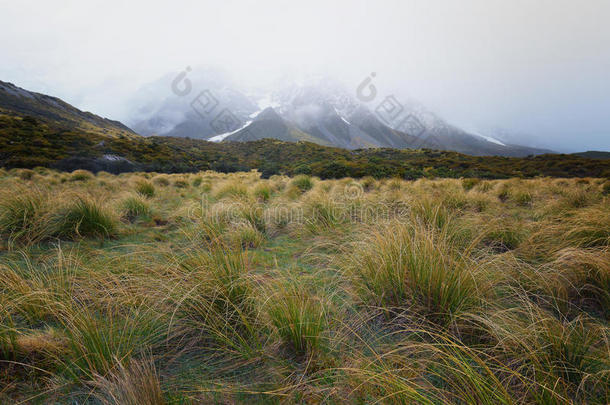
x,y
202,104
321,111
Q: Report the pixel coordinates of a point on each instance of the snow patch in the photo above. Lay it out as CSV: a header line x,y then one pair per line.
x,y
219,138
341,116
114,158
490,139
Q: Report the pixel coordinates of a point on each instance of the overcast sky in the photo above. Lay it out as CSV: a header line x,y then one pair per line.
x,y
540,68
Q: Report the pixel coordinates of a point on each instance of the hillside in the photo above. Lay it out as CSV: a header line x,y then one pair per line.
x,y
594,154
15,101
38,130
27,143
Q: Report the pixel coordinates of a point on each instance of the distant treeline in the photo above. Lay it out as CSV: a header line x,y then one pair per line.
x,y
28,143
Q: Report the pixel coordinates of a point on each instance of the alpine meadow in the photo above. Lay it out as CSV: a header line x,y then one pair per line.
x,y
147,288
324,202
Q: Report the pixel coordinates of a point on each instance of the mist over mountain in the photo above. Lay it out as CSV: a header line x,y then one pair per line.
x,y
208,104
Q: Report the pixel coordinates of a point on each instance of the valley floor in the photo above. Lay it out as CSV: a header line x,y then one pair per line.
x,y
148,288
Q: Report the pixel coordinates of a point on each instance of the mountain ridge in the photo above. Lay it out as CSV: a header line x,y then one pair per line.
x,y
322,111
17,101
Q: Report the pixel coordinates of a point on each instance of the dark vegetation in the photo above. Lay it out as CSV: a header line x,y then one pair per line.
x,y
27,143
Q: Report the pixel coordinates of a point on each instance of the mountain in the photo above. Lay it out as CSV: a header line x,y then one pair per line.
x,y
593,154
42,131
200,104
18,102
269,124
320,111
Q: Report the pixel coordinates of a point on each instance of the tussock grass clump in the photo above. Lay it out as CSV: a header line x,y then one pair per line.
x,y
302,182
135,384
86,217
431,213
234,190
413,266
432,368
524,198
299,320
145,188
218,302
262,192
161,180
99,344
504,193
37,289
322,213
298,317
180,183
134,207
349,291
246,236
8,334
589,228
468,184
561,360
577,198
581,277
254,215
479,201
24,215
368,183
502,237
24,174
81,175
197,181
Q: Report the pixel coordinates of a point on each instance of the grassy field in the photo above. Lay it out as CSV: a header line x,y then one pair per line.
x,y
147,288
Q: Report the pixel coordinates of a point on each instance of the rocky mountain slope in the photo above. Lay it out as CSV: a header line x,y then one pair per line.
x,y
322,111
18,102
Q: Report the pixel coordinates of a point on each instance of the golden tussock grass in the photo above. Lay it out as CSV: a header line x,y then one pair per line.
x,y
147,288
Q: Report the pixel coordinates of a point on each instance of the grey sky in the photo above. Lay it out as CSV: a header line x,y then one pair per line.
x,y
540,68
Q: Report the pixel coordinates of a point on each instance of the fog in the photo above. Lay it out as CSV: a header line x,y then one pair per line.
x,y
537,70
